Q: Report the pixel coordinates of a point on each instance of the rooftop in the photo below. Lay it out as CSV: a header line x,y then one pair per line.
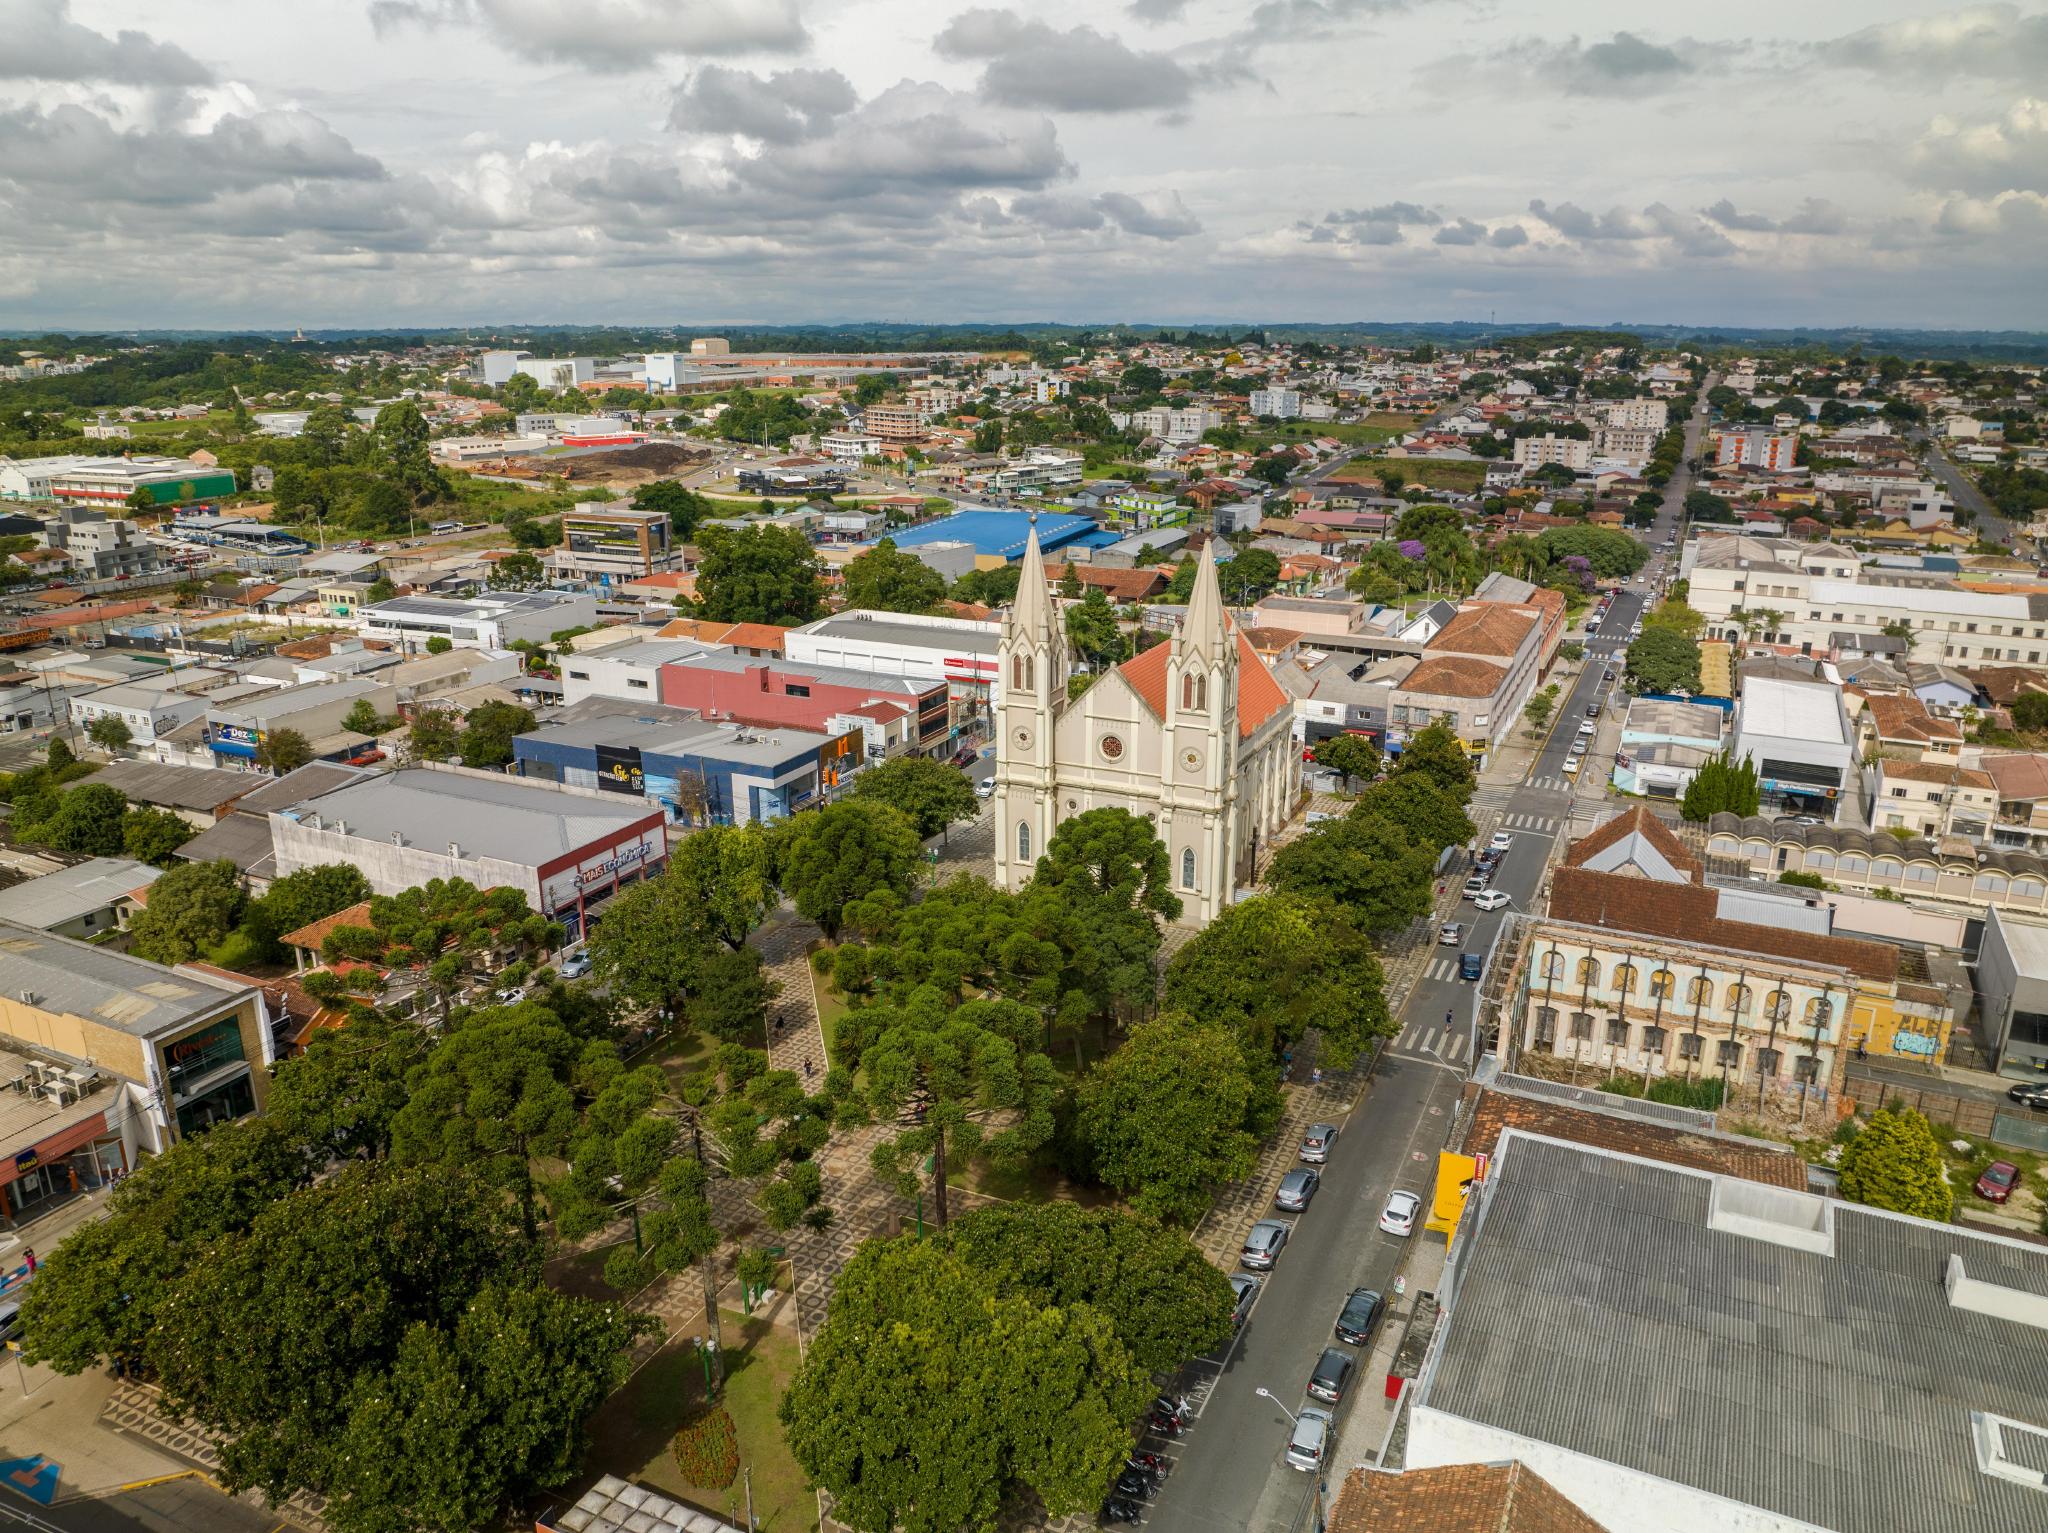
x,y
1783,1351
1457,1498
499,817
70,978
177,787
962,634
1486,628
71,892
1259,696
1792,710
1455,676
1618,1129
663,731
996,532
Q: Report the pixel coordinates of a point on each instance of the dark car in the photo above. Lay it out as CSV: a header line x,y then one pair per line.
x,y
2032,1094
1471,965
964,755
1360,1316
1998,1181
1592,710
1332,1374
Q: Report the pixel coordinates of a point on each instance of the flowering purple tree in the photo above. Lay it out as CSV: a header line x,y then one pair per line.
x,y
1411,548
1582,567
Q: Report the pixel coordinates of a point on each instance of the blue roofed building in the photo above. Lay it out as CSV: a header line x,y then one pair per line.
x,y
1001,534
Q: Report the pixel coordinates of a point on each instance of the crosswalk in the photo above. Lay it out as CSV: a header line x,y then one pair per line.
x,y
1540,824
1443,1042
1555,781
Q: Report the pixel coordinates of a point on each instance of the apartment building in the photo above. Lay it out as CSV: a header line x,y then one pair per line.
x,y
894,423
850,448
1183,424
1628,444
1932,798
1652,415
2021,780
495,621
101,546
1755,449
1281,404
1541,451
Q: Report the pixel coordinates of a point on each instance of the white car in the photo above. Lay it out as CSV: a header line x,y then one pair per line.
x,y
1503,841
1398,1217
986,788
1571,765
1492,899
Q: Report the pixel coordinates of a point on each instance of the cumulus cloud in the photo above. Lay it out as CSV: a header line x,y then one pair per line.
x,y
2008,153
1687,234
611,35
1816,215
1465,231
1994,42
1153,218
1027,63
1625,65
1574,222
1385,213
42,42
785,108
2009,213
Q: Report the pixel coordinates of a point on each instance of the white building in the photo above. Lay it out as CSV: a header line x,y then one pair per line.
x,y
103,547
495,369
1048,388
958,651
1537,451
852,448
1282,404
1176,425
149,710
1640,414
557,372
494,621
1799,736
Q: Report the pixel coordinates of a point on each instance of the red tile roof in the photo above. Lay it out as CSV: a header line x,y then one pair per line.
x,y
1258,695
1486,628
1637,821
2019,776
1753,1161
313,936
1456,1498
1454,676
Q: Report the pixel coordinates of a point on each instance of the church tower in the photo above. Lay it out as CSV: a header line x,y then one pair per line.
x,y
1032,659
1201,772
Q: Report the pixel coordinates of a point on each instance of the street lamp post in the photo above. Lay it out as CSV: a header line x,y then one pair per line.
x,y
1266,1394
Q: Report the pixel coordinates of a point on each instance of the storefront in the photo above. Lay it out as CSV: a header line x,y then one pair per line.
x,y
209,1078
76,1159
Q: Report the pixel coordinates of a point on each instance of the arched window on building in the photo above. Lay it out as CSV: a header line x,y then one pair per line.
x,y
1589,972
1020,672
1625,978
1187,868
1194,692
1738,1000
1699,991
1553,964
1023,841
1777,1006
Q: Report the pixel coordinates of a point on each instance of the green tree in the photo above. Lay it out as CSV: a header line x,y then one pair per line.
x,y
110,733
651,945
340,1096
732,995
97,1296
434,735
283,750
1674,614
1663,660
1273,966
842,852
191,910
758,575
362,718
519,571
1093,630
726,872
1113,854
2030,712
1366,863
918,1349
324,437
1164,1300
1248,575
401,439
1351,756
683,506
87,821
885,579
1164,1116
154,835
1436,753
1895,1163
312,894
1722,786
930,794
439,645
488,731
1538,709
955,1071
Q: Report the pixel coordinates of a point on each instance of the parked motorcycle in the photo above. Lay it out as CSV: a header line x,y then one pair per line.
x,y
1163,1424
1121,1509
1136,1486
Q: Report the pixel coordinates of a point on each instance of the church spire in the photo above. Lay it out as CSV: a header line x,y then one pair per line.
x,y
1204,631
1031,615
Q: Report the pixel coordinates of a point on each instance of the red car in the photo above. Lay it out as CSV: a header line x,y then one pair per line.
x,y
1998,1181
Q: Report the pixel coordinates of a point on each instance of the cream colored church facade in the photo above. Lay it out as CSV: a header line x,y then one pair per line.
x,y
1194,733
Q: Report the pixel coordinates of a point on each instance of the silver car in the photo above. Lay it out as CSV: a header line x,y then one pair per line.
x,y
1315,1144
1311,1439
1244,1291
1296,1188
1263,1244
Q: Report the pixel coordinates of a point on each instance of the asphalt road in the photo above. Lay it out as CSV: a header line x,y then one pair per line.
x,y
174,1506
1990,525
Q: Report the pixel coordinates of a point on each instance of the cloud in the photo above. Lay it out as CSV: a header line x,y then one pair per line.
x,y
1385,213
1464,231
1157,10
611,35
1508,236
1993,42
1816,215
1030,64
1574,222
784,108
1152,219
2008,153
42,42
1689,235
1626,65
2022,214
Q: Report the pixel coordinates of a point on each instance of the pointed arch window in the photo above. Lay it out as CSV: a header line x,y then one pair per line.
x,y
1023,841
1194,692
1020,672
1187,868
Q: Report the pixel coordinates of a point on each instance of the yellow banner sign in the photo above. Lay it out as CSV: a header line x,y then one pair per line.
x,y
1455,1175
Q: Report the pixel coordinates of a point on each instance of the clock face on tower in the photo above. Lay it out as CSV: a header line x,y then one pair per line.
x,y
1191,759
1022,736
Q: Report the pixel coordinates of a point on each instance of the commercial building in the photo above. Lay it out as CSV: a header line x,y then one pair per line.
x,y
1475,674
1756,449
698,772
850,448
1932,798
1799,736
2012,992
894,423
200,796
1663,744
112,481
103,547
566,849
605,547
724,686
961,652
237,727
1693,1352
242,835
1281,404
149,708
556,372
494,621
112,1057
629,671
1573,453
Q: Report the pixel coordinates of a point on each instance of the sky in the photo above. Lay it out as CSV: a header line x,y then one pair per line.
x,y
336,163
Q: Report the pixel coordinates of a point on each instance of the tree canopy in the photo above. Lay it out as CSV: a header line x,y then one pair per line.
x,y
1722,786
885,579
758,575
1663,660
844,851
1365,863
191,910
1164,1116
930,794
1114,854
1894,1162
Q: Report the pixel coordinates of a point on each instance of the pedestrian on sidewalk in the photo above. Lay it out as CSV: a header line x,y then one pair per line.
x,y
807,1067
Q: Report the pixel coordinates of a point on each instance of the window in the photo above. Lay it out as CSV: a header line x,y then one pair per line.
x,y
1699,991
1625,978
1546,1025
1920,873
1690,1045
2027,888
793,689
579,675
1582,1026
1194,692
1767,1062
1653,1040
1589,972
1991,883
1553,964
1187,868
1778,1006
1738,1000
1806,1069
1023,841
1660,985
1728,1055
636,683
1617,1033
1820,1011
1020,672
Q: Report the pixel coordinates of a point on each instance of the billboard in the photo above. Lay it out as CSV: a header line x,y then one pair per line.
x,y
619,770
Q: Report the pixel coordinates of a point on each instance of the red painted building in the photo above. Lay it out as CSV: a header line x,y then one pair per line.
x,y
768,692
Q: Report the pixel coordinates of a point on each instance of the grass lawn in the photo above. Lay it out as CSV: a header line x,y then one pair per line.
x,y
1436,474
631,1432
831,1007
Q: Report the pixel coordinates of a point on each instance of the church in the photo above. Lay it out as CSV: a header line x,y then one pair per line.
x,y
1194,734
